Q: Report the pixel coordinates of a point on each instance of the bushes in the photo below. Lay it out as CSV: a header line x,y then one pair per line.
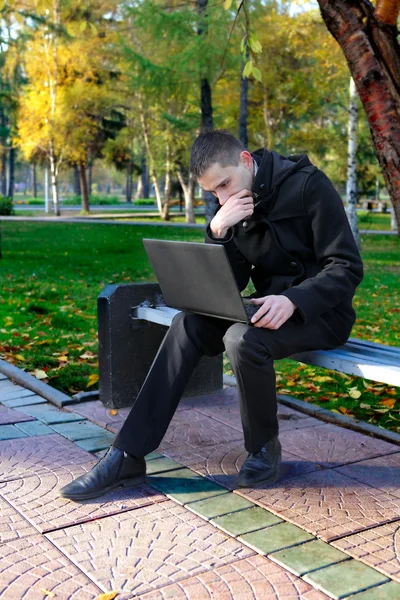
x,y
6,206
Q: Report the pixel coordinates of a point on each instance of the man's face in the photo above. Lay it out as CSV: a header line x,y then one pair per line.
x,y
223,182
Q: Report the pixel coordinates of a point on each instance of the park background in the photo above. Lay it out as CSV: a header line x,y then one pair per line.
x,y
100,103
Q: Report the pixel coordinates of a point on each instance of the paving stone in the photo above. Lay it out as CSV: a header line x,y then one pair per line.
x,y
95,444
230,415
79,430
50,415
226,396
309,557
9,415
345,578
6,385
153,456
246,521
2,377
222,462
183,485
387,591
332,446
9,432
97,413
25,401
326,503
218,506
382,472
36,498
144,549
253,578
276,537
160,465
12,524
378,547
32,564
15,394
35,428
194,429
39,455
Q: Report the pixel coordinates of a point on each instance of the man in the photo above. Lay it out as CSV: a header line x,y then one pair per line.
x,y
283,225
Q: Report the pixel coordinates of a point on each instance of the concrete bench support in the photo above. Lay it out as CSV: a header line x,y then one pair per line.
x,y
128,346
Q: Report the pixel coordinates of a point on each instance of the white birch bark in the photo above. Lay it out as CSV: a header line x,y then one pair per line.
x,y
351,186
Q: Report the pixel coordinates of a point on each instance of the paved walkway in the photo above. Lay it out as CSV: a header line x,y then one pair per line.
x,y
330,528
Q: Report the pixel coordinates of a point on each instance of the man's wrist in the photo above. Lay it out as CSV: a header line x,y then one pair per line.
x,y
218,232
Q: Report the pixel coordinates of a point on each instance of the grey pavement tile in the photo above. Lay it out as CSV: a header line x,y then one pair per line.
x,y
141,550
386,591
25,401
382,472
183,485
378,547
332,446
79,430
3,377
192,428
12,524
160,465
10,416
343,579
309,556
326,503
222,462
6,385
228,395
95,444
252,578
32,564
10,432
15,394
39,455
36,498
35,428
50,415
97,413
276,537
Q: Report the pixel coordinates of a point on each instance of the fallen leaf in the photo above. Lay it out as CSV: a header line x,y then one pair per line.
x,y
92,380
389,402
113,412
108,596
39,374
20,357
354,393
345,411
47,593
323,378
366,406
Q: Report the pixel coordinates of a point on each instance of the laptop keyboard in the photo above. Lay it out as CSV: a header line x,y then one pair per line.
x,y
250,308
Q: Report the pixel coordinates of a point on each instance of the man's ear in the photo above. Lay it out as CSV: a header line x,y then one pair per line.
x,y
246,159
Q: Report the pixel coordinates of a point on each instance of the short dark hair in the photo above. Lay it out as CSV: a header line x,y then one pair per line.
x,y
217,146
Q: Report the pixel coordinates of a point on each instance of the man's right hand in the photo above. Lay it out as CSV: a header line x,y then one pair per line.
x,y
237,207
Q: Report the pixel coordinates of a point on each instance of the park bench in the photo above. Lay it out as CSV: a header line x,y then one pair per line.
x,y
124,359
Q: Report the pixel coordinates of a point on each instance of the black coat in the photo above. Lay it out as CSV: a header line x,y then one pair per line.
x,y
298,242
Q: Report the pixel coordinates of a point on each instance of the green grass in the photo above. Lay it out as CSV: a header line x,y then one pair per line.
x,y
52,273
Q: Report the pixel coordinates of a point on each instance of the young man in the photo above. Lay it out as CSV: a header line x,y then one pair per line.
x,y
283,225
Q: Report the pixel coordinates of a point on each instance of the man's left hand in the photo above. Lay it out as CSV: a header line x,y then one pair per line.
x,y
274,311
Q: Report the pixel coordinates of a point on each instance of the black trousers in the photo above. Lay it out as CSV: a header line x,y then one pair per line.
x,y
252,352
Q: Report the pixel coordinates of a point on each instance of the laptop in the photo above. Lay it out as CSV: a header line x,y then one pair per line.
x,y
198,277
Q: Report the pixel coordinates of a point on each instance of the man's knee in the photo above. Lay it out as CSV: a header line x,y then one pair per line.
x,y
242,341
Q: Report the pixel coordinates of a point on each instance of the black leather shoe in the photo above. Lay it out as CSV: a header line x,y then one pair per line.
x,y
262,466
114,469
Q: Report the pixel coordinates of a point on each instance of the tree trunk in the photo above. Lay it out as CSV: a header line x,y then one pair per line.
x,y
368,40
4,172
188,190
129,182
153,170
167,186
351,188
34,181
139,190
54,181
84,188
244,88
89,178
77,182
206,107
11,172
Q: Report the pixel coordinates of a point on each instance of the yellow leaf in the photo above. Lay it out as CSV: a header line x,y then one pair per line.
x,y
92,380
257,74
113,412
63,358
47,593
323,378
389,402
108,596
354,393
227,4
20,357
248,68
291,383
39,374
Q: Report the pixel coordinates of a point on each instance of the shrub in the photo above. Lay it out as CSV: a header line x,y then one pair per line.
x,y
144,202
6,206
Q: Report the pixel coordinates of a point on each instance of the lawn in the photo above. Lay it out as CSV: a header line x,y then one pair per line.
x,y
52,273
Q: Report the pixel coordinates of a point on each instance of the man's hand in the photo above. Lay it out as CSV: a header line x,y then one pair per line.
x,y
239,206
273,312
